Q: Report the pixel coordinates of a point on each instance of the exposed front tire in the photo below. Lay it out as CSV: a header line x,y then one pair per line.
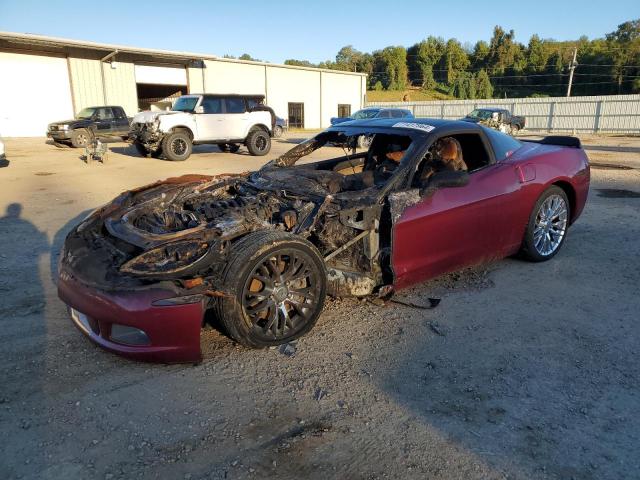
x,y
547,227
177,146
258,142
276,285
80,138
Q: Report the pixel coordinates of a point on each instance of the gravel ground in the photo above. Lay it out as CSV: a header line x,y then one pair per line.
x,y
524,371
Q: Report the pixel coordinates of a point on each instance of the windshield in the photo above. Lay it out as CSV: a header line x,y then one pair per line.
x,y
86,113
362,114
185,104
481,114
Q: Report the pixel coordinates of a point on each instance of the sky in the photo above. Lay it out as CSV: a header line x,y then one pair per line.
x,y
280,29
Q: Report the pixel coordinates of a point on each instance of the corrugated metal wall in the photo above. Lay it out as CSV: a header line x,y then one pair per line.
x,y
120,86
86,83
593,114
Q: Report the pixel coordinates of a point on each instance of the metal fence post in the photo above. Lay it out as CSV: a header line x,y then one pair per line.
x,y
596,125
552,109
442,110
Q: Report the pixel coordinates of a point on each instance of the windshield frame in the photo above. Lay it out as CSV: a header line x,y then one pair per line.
x,y
307,147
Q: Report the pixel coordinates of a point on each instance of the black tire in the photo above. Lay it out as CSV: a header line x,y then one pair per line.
x,y
292,272
539,228
141,149
234,147
177,146
277,131
224,147
514,130
258,142
80,138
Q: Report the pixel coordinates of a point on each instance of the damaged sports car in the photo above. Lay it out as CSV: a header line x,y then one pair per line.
x,y
260,251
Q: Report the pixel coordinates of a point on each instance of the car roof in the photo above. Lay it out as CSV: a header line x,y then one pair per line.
x,y
438,124
218,95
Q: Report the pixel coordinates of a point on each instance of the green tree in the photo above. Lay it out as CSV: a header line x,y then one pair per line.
x,y
484,89
480,55
421,59
390,65
454,60
299,63
464,86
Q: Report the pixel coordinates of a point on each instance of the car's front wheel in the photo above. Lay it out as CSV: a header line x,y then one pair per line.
x,y
258,142
275,285
80,138
177,146
514,130
547,227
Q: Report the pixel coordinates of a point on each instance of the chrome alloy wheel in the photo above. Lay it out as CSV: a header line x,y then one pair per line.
x,y
551,225
281,294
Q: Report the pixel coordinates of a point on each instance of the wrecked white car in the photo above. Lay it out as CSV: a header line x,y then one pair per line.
x,y
228,121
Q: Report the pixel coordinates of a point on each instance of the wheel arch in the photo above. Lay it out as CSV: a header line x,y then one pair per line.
x,y
258,126
571,196
182,128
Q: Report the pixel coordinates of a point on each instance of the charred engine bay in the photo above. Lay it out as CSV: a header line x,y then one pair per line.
x,y
183,229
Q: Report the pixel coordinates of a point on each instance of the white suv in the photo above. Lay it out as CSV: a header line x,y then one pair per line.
x,y
224,120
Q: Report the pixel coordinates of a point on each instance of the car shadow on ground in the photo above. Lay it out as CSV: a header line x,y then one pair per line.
x,y
530,390
130,151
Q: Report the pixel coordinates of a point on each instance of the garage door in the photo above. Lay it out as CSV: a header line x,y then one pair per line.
x,y
34,91
161,75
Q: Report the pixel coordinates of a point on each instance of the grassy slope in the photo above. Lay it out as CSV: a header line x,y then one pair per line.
x,y
415,95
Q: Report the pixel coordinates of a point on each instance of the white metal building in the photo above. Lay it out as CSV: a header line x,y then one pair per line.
x,y
44,79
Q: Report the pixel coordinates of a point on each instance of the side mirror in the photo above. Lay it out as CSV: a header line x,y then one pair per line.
x,y
199,109
440,180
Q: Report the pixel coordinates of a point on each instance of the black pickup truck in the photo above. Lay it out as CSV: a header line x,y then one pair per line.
x,y
104,121
497,118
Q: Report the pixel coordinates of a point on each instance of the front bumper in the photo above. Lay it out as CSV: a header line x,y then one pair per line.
x,y
173,331
59,134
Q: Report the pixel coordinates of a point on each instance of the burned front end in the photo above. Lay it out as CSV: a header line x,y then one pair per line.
x,y
139,273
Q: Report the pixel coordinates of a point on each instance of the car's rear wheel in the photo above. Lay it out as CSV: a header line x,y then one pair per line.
x,y
80,138
547,227
177,146
258,142
276,285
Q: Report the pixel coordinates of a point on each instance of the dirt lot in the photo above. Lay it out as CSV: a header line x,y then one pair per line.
x,y
523,371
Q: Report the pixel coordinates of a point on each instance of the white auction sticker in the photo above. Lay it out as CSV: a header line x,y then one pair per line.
x,y
416,126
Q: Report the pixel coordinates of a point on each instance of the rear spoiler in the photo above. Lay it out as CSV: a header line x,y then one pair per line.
x,y
559,140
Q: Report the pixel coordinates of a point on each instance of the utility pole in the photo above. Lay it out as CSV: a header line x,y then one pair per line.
x,y
573,66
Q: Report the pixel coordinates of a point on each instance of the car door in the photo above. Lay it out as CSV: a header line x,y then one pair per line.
x,y
454,227
235,118
120,122
103,121
210,122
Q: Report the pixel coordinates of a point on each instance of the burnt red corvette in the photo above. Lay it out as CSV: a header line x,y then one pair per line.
x,y
262,250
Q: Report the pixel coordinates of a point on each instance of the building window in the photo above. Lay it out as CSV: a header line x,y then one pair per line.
x,y
344,110
296,115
